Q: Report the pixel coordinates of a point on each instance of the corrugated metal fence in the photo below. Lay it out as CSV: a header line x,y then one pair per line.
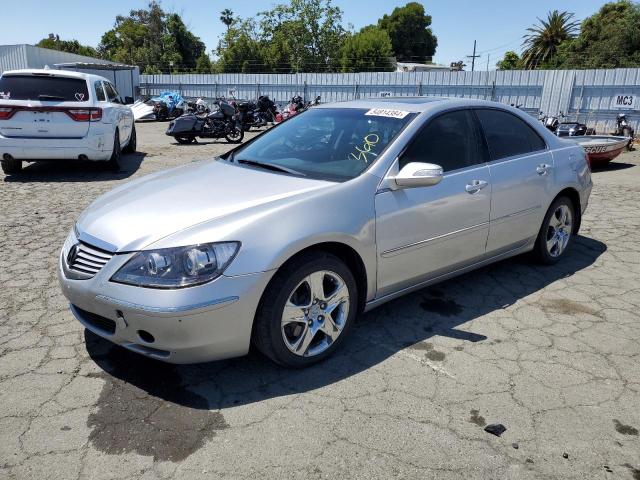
x,y
590,96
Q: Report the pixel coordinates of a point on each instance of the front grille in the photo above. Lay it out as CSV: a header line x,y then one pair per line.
x,y
101,323
88,260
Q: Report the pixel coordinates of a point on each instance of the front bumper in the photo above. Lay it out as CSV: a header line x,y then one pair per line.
x,y
197,324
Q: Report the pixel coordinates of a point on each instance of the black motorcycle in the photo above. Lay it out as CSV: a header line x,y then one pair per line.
x,y
222,122
161,111
623,129
250,115
267,109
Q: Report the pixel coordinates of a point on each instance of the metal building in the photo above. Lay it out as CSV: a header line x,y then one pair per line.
x,y
126,78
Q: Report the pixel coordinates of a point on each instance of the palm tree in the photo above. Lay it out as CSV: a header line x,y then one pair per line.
x,y
226,17
543,39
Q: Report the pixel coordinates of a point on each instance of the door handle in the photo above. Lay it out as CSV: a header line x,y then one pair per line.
x,y
475,186
543,169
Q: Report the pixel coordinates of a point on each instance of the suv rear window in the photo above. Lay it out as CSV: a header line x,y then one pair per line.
x,y
54,89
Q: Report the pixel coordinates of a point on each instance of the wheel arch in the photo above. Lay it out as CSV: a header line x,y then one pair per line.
x,y
349,256
573,195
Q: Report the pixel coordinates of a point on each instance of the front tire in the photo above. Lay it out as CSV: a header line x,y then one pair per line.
x,y
556,233
11,166
306,311
235,136
184,140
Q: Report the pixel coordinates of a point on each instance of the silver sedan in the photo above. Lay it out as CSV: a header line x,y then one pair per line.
x,y
283,241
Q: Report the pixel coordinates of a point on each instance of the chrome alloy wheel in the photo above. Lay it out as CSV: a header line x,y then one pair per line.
x,y
559,230
315,313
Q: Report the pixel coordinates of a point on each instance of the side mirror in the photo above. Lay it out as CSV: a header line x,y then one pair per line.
x,y
418,174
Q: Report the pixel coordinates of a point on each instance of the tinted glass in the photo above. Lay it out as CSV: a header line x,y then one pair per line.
x,y
507,135
100,92
44,88
329,143
112,95
450,140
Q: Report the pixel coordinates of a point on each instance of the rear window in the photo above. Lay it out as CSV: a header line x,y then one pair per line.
x,y
47,89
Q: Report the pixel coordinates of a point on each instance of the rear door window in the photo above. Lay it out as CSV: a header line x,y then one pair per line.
x,y
508,135
100,92
43,88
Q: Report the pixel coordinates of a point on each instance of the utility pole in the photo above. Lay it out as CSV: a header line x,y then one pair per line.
x,y
488,57
473,57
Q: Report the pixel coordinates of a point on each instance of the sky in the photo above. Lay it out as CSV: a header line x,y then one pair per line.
x,y
497,25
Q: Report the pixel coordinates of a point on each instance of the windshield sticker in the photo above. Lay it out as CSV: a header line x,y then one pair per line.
x,y
5,95
79,96
386,112
369,142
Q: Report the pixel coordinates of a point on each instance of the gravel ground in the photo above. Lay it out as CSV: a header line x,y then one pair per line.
x,y
551,353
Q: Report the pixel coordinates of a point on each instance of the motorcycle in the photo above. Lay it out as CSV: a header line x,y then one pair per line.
x,y
250,116
295,106
221,122
573,129
166,109
623,129
267,109
199,107
551,123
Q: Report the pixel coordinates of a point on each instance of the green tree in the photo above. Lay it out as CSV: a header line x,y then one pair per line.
x,y
226,17
511,61
304,35
368,50
542,42
53,42
411,37
608,39
153,40
203,64
240,51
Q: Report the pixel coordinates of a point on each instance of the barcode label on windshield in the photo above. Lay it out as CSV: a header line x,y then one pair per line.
x,y
385,112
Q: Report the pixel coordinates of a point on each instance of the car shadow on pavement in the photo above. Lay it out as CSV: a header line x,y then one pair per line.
x,y
76,170
401,325
612,166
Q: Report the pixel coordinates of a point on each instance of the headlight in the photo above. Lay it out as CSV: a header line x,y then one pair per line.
x,y
177,267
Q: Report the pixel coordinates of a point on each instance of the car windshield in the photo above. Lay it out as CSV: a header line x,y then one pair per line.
x,y
335,144
43,87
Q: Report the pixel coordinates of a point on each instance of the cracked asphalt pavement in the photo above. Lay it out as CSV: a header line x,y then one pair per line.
x,y
552,353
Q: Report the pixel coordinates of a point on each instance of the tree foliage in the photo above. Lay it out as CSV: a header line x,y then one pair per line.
x,y
411,38
608,39
542,40
153,40
303,35
53,42
240,51
368,50
510,61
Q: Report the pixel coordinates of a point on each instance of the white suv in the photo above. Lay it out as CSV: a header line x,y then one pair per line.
x,y
57,114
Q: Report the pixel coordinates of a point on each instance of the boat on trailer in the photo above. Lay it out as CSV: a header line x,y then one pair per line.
x,y
601,149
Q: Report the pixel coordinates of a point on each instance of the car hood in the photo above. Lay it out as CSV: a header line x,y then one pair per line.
x,y
144,211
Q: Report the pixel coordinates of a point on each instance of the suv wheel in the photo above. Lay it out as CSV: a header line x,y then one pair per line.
x,y
11,166
556,233
306,311
133,141
116,154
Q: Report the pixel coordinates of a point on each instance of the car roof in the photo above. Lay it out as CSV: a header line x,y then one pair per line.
x,y
53,73
411,104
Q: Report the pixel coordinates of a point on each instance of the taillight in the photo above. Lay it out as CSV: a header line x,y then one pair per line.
x,y
85,114
6,113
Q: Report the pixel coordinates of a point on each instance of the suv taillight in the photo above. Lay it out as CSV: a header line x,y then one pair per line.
x,y
6,113
85,114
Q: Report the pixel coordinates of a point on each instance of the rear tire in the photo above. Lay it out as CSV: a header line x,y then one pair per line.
x,y
11,166
114,162
556,233
133,141
302,341
184,140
